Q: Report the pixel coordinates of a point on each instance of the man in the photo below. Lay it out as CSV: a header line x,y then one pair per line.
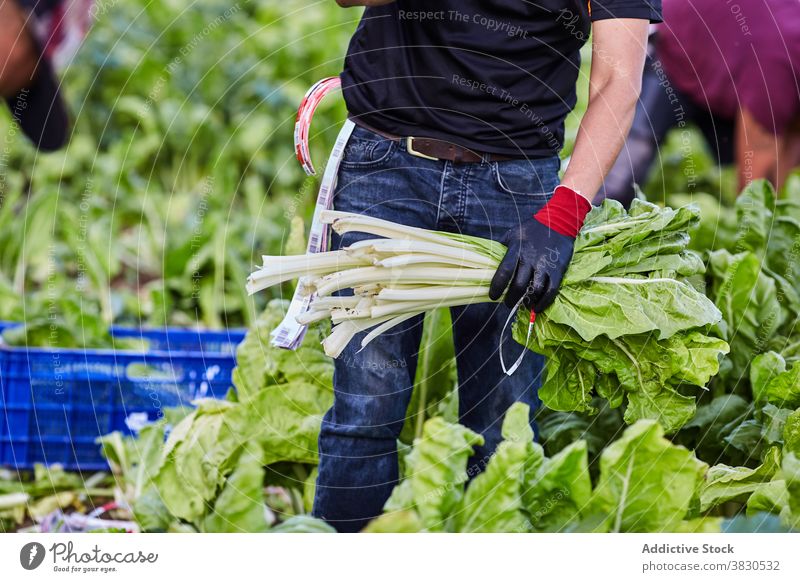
x,y
460,107
33,34
732,69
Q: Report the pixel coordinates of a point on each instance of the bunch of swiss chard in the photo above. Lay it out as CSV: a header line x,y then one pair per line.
x,y
629,324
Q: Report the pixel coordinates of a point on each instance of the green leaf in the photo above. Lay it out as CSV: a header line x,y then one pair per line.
x,y
194,461
401,499
773,423
746,438
670,409
763,370
791,433
436,470
145,453
784,390
784,240
150,512
406,521
435,375
284,419
568,381
717,413
240,508
771,497
303,524
517,424
790,470
754,214
259,364
114,448
699,525
310,489
717,225
492,502
646,483
632,305
557,491
724,483
750,308
636,364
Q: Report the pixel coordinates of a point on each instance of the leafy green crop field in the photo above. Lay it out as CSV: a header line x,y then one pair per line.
x,y
181,173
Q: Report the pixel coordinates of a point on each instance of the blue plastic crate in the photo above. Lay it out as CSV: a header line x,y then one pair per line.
x,y
54,403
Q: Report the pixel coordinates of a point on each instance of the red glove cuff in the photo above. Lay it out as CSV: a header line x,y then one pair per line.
x,y
564,212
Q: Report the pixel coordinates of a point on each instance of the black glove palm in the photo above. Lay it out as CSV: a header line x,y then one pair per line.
x,y
534,265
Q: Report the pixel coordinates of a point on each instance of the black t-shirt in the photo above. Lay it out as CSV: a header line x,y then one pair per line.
x,y
497,76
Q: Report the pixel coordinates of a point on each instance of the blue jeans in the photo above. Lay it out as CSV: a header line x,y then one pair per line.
x,y
358,440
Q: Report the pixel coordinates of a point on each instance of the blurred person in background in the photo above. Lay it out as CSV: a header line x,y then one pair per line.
x,y
36,37
730,67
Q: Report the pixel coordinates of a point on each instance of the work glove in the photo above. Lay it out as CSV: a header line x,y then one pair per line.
x,y
539,252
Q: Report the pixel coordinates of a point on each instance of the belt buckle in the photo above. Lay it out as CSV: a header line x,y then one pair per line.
x,y
413,152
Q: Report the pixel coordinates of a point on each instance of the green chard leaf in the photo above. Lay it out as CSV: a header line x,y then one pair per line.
x,y
773,423
750,308
283,418
302,524
646,483
773,383
791,433
790,470
616,306
259,364
770,497
724,483
194,459
240,507
435,375
403,521
492,502
754,217
436,470
556,491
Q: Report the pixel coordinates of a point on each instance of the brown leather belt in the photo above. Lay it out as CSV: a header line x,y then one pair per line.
x,y
437,149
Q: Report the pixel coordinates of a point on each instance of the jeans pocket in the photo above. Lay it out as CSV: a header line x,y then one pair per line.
x,y
534,179
366,149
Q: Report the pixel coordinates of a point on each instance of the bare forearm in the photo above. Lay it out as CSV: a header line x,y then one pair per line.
x,y
618,53
601,136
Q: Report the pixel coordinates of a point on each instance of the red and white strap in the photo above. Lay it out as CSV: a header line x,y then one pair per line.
x,y
289,334
305,113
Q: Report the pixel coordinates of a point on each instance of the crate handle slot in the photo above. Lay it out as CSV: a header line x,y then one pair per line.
x,y
146,372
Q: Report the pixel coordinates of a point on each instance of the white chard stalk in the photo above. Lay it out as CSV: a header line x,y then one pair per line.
x,y
384,281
